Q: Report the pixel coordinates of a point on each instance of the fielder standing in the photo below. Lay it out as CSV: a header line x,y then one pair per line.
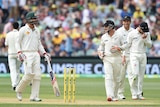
x,y
14,63
138,40
123,32
28,46
111,60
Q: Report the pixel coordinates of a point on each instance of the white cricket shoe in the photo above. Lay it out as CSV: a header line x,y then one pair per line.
x,y
122,97
115,99
19,96
36,99
141,97
134,97
112,99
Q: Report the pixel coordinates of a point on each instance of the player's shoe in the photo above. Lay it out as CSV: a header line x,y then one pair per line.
x,y
122,97
134,97
19,96
36,99
13,88
109,99
141,97
114,99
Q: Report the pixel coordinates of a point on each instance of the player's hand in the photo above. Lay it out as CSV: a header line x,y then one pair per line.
x,y
101,54
21,56
47,57
115,49
144,36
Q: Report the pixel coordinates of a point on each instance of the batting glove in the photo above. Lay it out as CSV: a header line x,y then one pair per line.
x,y
21,56
47,57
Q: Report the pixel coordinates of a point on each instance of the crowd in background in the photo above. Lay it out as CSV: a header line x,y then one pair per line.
x,y
74,27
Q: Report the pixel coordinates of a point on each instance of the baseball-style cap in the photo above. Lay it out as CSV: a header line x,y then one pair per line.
x,y
144,27
127,18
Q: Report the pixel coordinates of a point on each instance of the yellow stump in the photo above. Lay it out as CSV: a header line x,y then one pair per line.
x,y
65,84
69,84
74,85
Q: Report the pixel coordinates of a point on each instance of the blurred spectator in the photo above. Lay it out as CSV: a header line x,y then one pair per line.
x,y
56,40
8,26
5,9
68,44
79,22
125,12
154,36
1,15
153,52
14,9
138,13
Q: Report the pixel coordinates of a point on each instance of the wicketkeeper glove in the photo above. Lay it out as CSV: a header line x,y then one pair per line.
x,y
21,56
47,56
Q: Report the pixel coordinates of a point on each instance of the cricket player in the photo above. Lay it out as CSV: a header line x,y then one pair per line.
x,y
111,60
28,46
138,40
123,32
14,63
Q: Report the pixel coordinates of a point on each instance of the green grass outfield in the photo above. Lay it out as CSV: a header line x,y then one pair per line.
x,y
90,92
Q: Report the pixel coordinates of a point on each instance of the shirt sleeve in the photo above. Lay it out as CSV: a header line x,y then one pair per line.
x,y
101,46
6,40
128,43
19,40
148,41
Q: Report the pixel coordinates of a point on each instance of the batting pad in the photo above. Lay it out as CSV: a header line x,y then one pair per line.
x,y
35,89
24,82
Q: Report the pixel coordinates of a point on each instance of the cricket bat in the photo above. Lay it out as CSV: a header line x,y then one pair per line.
x,y
53,80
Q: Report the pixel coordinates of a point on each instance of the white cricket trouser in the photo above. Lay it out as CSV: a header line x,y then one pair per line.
x,y
14,66
31,67
125,68
112,66
138,65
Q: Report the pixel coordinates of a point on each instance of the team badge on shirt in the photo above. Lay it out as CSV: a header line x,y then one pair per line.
x,y
27,33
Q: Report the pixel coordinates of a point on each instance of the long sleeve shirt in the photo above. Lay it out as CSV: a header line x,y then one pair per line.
x,y
124,34
10,41
29,40
136,43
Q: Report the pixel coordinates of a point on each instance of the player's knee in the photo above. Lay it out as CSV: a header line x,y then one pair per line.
x,y
28,76
37,77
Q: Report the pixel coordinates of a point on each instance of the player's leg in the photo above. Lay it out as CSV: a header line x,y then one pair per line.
x,y
26,79
122,82
134,61
13,73
141,76
36,80
108,80
18,64
116,75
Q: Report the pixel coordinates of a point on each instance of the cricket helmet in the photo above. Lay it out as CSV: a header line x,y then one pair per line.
x,y
31,18
144,27
110,24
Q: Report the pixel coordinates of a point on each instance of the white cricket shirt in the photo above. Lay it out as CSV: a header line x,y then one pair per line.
x,y
29,40
124,33
136,43
107,42
10,41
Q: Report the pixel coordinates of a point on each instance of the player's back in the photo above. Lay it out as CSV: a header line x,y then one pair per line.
x,y
11,41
